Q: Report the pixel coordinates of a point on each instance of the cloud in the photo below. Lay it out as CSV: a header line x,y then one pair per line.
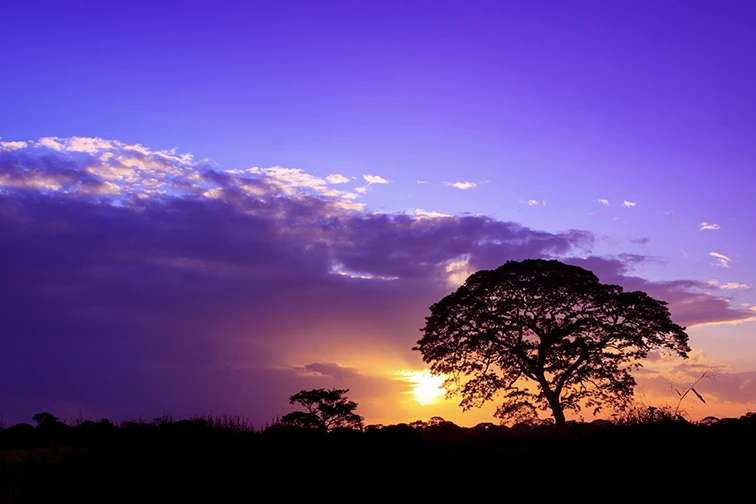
x,y
336,178
375,179
719,387
50,143
640,241
13,145
628,204
459,269
735,285
679,370
421,182
729,285
89,145
722,260
706,225
429,215
329,369
289,181
603,201
691,302
460,185
531,202
665,377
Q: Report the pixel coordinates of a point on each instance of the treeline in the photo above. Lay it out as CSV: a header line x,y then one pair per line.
x,y
225,458
50,429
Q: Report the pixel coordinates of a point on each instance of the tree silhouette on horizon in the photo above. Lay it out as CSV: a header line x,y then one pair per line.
x,y
326,410
548,324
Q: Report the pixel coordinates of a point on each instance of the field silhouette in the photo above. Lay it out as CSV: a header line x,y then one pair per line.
x,y
224,458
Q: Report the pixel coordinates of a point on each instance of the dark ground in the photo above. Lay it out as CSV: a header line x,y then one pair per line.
x,y
192,461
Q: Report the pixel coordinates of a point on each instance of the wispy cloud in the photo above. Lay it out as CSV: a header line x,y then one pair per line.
x,y
421,182
336,178
429,215
735,285
603,201
729,285
706,225
461,185
722,260
628,204
375,179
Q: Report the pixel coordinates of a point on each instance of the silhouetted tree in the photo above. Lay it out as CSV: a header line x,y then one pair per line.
x,y
549,324
418,424
44,419
326,410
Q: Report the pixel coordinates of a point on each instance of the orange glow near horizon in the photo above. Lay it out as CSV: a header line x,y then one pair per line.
x,y
426,388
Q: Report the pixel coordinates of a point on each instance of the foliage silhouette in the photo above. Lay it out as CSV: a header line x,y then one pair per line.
x,y
326,410
706,374
549,324
44,419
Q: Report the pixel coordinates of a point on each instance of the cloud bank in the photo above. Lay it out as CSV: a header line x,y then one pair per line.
x,y
143,281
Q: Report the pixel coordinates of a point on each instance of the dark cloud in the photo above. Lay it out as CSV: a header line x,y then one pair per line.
x,y
178,301
690,302
43,173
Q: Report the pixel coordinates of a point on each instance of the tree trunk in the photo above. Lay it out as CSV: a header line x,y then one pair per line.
x,y
553,398
556,409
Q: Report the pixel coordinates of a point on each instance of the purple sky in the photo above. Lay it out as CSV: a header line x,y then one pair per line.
x,y
148,265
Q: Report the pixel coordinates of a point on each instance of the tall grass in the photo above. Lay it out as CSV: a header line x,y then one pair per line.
x,y
232,423
641,414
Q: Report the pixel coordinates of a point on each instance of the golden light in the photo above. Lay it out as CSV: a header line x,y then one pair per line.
x,y
426,388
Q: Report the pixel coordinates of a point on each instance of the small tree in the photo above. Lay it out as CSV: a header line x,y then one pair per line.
x,y
326,410
45,419
548,324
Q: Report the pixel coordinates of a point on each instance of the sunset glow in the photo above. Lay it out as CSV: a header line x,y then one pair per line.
x,y
426,388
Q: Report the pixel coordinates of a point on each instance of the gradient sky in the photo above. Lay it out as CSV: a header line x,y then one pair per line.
x,y
209,208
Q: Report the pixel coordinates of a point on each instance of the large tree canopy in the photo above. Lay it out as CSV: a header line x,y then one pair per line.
x,y
547,335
